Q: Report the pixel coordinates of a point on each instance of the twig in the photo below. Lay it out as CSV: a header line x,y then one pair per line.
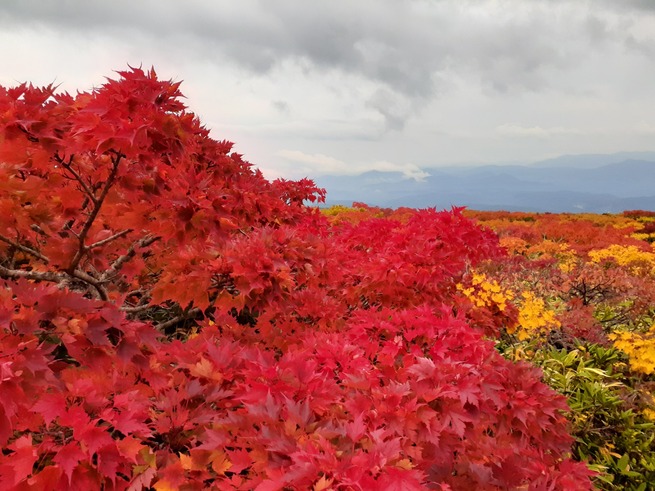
x,y
138,291
31,275
179,318
141,305
38,230
109,239
25,249
81,275
131,252
97,204
136,309
68,166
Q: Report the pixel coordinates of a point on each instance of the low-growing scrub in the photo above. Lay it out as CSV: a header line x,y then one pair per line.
x,y
172,320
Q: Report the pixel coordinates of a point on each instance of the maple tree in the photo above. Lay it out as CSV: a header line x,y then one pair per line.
x,y
172,320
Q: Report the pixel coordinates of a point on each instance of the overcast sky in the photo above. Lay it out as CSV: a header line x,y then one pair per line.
x,y
307,87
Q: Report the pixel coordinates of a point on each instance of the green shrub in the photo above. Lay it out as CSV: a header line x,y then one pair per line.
x,y
612,433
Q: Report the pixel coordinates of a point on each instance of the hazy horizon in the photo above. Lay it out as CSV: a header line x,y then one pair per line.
x,y
593,183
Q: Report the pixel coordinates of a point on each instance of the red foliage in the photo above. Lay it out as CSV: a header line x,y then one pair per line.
x,y
638,213
310,355
551,259
580,232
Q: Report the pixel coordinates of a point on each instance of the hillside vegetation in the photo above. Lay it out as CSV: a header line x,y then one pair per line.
x,y
171,320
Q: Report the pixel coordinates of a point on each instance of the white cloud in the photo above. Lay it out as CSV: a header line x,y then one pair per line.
x,y
325,165
644,128
515,130
409,171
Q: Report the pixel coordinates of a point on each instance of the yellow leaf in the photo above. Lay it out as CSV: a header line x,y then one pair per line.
x,y
221,463
405,464
322,483
148,457
164,485
188,463
205,369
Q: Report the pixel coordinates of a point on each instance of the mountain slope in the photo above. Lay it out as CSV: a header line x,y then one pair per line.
x,y
566,184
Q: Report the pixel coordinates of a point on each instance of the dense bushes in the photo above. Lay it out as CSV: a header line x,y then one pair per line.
x,y
601,356
171,319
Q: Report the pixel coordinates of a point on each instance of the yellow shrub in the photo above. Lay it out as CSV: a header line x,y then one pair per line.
x,y
337,210
486,293
534,317
640,348
631,256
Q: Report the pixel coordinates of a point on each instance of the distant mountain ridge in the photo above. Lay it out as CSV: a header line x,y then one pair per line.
x,y
571,183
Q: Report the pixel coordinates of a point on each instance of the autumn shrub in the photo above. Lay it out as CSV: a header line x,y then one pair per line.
x,y
170,319
598,348
579,233
611,413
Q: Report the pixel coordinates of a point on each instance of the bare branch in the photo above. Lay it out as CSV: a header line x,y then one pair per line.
x,y
87,278
136,309
31,275
191,314
97,204
138,291
142,303
25,249
131,252
68,166
109,239
62,279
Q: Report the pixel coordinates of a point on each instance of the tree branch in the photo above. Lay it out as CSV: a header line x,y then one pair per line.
x,y
192,313
131,252
97,204
85,187
109,239
31,275
87,278
25,249
142,303
135,309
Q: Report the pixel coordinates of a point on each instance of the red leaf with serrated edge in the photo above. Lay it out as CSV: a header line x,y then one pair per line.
x,y
240,460
51,406
143,480
468,392
44,480
68,458
394,479
172,474
22,459
423,369
108,462
269,485
357,428
94,438
76,418
129,448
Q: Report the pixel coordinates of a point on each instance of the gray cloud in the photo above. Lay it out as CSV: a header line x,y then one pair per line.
x,y
394,109
371,80
404,46
634,4
281,106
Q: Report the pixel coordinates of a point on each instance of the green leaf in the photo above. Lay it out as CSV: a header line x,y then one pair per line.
x,y
622,463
